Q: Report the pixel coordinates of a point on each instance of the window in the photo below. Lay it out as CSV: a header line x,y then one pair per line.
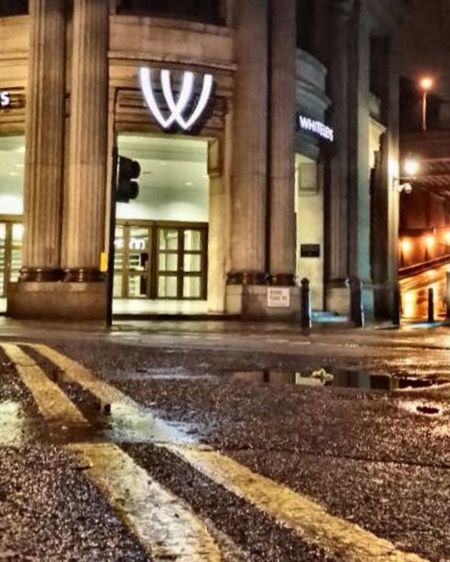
x,y
206,11
13,7
305,25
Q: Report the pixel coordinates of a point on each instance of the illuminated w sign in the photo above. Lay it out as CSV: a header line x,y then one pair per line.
x,y
177,108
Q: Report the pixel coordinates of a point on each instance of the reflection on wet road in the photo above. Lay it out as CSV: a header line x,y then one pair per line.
x,y
414,294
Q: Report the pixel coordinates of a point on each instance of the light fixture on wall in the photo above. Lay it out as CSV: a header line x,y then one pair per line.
x,y
411,167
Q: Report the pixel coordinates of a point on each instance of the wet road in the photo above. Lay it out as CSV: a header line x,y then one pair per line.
x,y
204,452
415,294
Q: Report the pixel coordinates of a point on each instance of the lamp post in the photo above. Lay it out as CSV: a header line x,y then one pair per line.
x,y
425,85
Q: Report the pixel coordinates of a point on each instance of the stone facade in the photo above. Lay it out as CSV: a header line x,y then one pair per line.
x,y
78,72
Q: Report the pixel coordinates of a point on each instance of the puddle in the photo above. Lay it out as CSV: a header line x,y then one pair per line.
x,y
12,423
334,378
128,424
422,408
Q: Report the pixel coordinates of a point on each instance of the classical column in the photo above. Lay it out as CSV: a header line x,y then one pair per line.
x,y
85,195
282,226
249,182
337,259
44,156
359,161
385,197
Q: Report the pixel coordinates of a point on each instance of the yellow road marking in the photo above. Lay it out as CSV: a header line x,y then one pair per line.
x,y
53,404
124,408
307,518
166,529
77,373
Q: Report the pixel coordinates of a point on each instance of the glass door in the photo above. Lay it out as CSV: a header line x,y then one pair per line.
x,y
16,252
10,253
137,244
160,261
3,270
182,262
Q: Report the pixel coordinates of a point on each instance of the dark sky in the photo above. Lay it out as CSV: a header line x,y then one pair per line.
x,y
425,44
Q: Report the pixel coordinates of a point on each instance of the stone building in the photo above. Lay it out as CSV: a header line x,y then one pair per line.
x,y
267,133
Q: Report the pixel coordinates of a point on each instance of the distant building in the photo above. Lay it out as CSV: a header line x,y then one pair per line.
x,y
267,133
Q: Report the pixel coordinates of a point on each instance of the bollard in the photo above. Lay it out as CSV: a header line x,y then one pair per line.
x,y
356,302
397,305
305,309
431,305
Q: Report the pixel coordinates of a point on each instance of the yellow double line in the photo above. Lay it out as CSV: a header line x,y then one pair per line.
x,y
161,522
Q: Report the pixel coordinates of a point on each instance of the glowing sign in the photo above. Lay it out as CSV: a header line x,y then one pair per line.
x,y
5,99
177,109
317,127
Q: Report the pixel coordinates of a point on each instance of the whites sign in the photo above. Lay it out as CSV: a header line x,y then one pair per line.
x,y
278,297
5,99
175,110
317,127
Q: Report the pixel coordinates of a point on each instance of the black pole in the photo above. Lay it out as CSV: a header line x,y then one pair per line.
x,y
112,235
356,302
431,305
397,305
305,312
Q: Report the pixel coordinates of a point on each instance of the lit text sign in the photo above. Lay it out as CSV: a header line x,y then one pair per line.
x,y
5,99
181,112
315,127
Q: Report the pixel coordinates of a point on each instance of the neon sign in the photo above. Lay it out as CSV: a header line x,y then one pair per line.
x,y
176,110
5,99
316,127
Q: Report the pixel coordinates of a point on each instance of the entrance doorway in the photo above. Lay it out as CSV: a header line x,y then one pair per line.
x,y
157,260
161,238
10,252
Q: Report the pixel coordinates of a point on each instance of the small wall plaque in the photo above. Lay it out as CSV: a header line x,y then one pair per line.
x,y
278,297
310,250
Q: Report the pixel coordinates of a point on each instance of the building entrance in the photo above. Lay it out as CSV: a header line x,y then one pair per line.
x,y
10,251
161,238
161,260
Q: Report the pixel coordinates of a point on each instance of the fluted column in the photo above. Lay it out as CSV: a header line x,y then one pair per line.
x,y
249,182
385,196
282,153
44,157
85,196
337,216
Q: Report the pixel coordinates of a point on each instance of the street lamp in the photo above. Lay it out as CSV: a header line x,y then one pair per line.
x,y
426,84
411,167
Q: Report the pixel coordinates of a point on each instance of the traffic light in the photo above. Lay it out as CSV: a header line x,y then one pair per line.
x,y
127,187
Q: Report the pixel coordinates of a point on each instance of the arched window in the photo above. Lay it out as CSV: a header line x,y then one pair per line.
x,y
205,11
13,7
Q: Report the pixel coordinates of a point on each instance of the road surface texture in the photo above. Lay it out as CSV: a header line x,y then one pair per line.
x,y
195,442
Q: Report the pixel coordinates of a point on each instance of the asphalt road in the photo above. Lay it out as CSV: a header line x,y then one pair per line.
x,y
212,445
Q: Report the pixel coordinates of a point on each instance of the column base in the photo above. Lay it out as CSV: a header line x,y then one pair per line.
x,y
251,302
57,301
337,298
384,301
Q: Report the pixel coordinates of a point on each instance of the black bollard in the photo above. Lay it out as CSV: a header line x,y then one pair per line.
x,y
431,305
305,310
356,302
397,305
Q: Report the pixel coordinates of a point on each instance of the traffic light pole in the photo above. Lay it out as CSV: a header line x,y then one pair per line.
x,y
112,234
